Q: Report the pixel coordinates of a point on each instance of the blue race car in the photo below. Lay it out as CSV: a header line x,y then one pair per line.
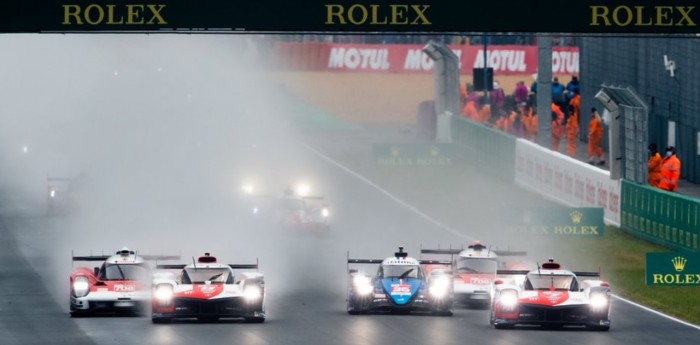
x,y
400,286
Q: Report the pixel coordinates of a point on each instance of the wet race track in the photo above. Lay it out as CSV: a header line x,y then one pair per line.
x,y
180,193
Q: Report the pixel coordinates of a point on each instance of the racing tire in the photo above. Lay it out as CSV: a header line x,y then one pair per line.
x,y
78,314
254,319
161,320
599,328
504,326
208,318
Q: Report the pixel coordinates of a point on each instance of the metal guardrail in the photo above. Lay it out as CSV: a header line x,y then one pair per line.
x,y
662,217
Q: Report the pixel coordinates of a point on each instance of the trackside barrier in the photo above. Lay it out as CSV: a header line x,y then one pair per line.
x,y
566,180
660,216
488,148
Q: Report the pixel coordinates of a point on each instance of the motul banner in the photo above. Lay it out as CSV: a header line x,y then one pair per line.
x,y
408,58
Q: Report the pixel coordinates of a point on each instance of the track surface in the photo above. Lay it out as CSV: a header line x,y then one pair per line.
x,y
305,276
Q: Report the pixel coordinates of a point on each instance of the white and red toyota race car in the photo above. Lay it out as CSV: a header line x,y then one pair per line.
x,y
121,284
474,270
208,290
553,297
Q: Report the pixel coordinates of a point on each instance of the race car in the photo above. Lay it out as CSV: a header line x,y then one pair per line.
x,y
474,271
208,290
293,208
65,194
399,286
551,296
121,284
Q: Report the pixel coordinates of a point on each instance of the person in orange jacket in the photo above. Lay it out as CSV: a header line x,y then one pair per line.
x,y
469,111
484,115
654,166
502,122
530,120
557,126
572,132
595,136
670,170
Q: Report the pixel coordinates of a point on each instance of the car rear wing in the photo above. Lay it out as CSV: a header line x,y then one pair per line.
x,y
455,251
90,257
512,272
233,266
104,257
524,272
435,262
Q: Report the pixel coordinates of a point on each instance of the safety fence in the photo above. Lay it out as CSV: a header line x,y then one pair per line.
x,y
669,219
491,149
659,216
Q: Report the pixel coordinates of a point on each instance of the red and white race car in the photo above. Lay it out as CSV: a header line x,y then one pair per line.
x,y
474,271
120,284
551,296
208,290
295,207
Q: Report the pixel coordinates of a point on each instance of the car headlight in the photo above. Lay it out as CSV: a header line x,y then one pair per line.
x,y
163,294
303,189
508,299
252,293
324,212
81,286
52,193
363,284
440,287
599,301
248,188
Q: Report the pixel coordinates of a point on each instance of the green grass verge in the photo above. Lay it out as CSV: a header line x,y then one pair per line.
x,y
620,256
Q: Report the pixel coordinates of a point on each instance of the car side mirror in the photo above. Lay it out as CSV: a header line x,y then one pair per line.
x,y
352,270
96,271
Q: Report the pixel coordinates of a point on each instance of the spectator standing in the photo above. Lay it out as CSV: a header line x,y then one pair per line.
x,y
521,92
670,170
498,98
572,129
557,92
572,124
595,136
557,128
654,166
572,86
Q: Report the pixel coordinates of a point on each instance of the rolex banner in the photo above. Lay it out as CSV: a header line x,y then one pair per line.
x,y
412,154
673,269
558,221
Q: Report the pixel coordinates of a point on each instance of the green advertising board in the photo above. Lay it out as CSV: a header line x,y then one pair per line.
x,y
413,154
558,221
664,269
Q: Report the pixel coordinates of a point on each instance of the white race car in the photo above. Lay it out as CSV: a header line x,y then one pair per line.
x,y
553,297
121,284
208,290
474,270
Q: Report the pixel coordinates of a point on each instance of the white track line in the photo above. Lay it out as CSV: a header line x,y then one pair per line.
x,y
390,196
455,232
657,312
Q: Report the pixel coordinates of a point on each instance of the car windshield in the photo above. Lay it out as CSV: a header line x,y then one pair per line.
x,y
201,275
473,265
124,272
400,271
289,204
546,281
